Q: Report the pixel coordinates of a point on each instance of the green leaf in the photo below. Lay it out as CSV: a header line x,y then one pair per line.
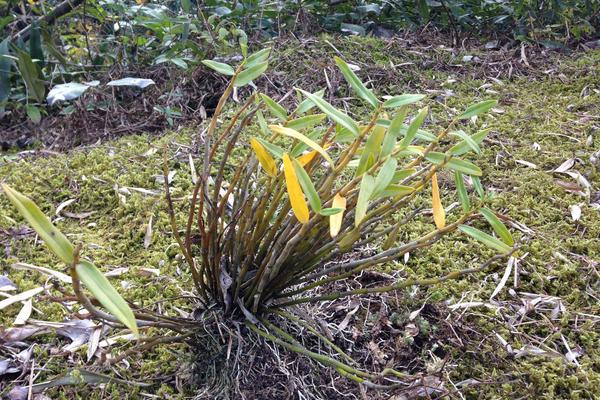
x,y
307,121
462,191
6,20
421,134
425,135
307,104
30,74
106,294
385,176
257,58
333,112
367,185
54,239
356,83
271,148
498,227
403,174
275,108
52,49
33,113
393,132
343,135
352,29
470,142
411,151
251,73
478,186
486,239
243,41
5,64
307,187
327,212
371,150
463,147
180,62
186,6
262,122
414,126
395,191
35,44
454,163
220,67
424,9
403,100
478,108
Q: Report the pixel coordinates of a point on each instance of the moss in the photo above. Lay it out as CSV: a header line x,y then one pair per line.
x,y
113,235
550,111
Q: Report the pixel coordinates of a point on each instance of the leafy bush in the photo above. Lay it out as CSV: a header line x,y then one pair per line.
x,y
103,35
315,185
524,19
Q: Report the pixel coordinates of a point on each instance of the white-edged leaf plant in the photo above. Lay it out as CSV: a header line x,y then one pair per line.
x,y
313,184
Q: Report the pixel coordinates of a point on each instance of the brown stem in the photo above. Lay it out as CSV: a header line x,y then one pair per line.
x,y
188,257
399,285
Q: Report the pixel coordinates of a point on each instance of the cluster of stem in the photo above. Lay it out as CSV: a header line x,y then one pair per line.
x,y
254,253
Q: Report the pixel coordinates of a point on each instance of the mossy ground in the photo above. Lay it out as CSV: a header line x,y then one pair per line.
x,y
543,119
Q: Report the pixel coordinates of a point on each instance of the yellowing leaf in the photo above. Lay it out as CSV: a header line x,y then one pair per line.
x,y
308,141
264,158
297,200
439,215
306,158
335,221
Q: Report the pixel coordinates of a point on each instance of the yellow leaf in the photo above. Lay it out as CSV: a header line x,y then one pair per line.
x,y
306,140
264,158
439,215
297,200
306,158
335,221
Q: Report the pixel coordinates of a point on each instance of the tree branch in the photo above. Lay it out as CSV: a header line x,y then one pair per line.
x,y
63,8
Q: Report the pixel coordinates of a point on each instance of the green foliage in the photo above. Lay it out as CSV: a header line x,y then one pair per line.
x,y
549,22
82,270
102,35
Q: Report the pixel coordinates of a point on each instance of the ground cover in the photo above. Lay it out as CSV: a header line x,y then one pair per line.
x,y
538,338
